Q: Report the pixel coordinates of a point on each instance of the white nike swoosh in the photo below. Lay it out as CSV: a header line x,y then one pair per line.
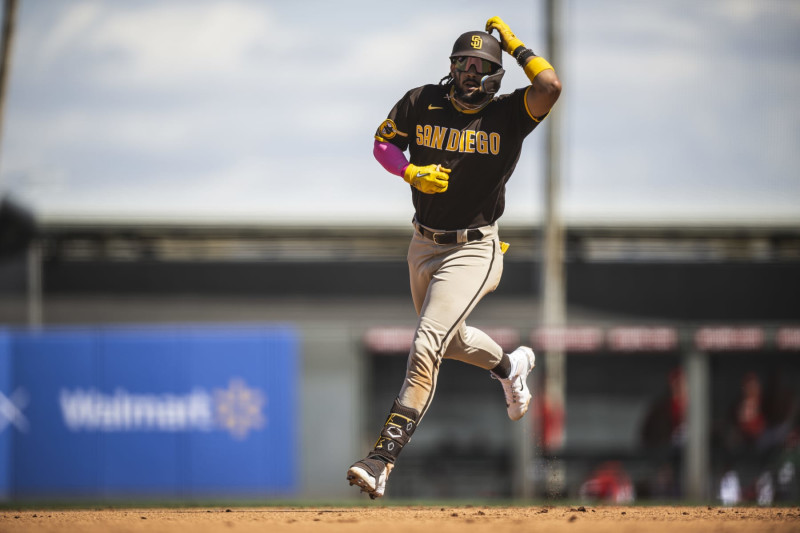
x,y
420,174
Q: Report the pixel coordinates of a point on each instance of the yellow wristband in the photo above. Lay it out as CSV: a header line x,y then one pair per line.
x,y
536,65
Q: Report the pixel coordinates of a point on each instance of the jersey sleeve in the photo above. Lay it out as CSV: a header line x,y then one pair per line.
x,y
522,119
395,129
528,110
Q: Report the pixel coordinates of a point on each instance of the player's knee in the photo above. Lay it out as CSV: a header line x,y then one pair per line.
x,y
428,343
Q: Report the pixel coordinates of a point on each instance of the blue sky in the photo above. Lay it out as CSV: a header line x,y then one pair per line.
x,y
255,111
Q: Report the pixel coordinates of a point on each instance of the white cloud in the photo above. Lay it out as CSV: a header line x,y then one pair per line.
x,y
166,44
69,31
221,102
747,12
675,108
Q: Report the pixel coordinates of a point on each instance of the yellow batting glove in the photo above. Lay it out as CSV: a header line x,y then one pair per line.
x,y
429,179
508,40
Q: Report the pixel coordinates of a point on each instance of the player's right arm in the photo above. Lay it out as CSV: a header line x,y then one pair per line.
x,y
428,179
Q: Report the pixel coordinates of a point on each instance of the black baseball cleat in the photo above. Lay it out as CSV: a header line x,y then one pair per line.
x,y
370,475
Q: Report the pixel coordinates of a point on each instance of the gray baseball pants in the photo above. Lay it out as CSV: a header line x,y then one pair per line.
x,y
447,282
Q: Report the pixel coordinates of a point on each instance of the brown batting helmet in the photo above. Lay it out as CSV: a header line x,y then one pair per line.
x,y
478,44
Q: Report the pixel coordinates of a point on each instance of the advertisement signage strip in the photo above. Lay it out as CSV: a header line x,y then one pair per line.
x,y
173,412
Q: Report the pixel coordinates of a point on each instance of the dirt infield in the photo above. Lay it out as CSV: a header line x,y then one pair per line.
x,y
550,519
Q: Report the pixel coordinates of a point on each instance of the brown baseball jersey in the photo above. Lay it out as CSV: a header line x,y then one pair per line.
x,y
481,147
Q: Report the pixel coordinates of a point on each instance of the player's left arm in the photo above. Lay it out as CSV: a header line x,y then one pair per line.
x,y
545,86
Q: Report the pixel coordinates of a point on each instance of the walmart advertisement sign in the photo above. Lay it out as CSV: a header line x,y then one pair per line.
x,y
182,412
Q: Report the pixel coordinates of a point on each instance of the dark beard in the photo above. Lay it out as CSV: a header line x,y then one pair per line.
x,y
475,97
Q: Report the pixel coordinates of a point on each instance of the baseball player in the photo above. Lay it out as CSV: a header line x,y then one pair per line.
x,y
464,141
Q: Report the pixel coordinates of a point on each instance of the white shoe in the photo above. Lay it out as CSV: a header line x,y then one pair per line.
x,y
515,386
370,476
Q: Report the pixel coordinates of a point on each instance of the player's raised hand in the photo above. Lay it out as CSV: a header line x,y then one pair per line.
x,y
508,40
429,179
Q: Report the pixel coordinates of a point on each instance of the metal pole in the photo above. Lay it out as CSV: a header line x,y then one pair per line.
x,y
523,472
35,315
34,249
553,293
9,18
553,272
697,460
552,282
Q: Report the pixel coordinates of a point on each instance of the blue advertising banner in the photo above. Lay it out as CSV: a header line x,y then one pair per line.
x,y
180,412
8,413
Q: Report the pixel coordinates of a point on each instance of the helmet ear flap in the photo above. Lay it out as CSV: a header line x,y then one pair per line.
x,y
490,83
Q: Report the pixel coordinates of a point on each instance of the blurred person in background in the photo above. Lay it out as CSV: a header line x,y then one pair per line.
x,y
608,483
741,432
663,435
777,447
664,424
779,408
748,415
757,434
787,466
